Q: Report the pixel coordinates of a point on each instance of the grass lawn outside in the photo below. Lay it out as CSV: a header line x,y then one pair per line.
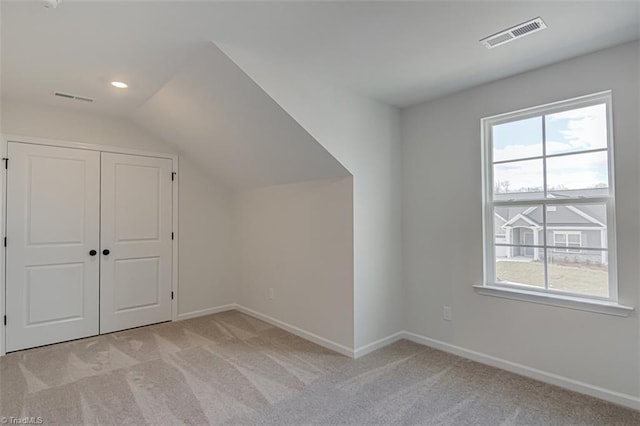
x,y
580,279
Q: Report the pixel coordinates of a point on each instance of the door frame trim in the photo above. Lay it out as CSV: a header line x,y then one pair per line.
x,y
4,145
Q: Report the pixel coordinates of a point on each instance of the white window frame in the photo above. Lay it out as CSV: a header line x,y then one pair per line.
x,y
490,285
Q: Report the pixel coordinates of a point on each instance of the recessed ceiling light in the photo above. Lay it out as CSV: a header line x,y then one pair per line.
x,y
119,84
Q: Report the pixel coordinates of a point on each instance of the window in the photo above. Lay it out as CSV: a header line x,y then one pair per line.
x,y
548,200
570,239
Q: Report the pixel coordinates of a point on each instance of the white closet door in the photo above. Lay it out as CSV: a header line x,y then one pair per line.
x,y
135,274
53,208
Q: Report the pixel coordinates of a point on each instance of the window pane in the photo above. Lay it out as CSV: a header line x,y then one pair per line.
x,y
517,139
581,175
577,225
588,274
520,267
576,130
575,239
517,180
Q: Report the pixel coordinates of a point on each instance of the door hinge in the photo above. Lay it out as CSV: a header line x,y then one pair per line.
x,y
173,175
171,295
5,320
172,235
5,241
6,162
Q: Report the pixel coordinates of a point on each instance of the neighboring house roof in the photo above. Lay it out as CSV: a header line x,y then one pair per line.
x,y
573,216
521,219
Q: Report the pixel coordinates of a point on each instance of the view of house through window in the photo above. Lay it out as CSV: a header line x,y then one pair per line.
x,y
549,199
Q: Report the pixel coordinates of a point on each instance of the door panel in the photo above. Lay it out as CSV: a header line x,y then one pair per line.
x,y
53,208
136,229
137,203
44,283
136,283
51,222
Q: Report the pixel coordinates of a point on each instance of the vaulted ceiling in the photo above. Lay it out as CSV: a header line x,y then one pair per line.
x,y
401,53
190,93
213,112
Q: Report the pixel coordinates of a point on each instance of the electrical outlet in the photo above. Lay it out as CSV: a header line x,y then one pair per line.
x,y
447,314
272,293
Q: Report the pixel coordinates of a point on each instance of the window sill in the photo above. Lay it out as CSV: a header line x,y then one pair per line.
x,y
570,302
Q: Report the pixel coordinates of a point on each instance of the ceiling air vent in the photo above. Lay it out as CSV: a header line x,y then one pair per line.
x,y
513,33
73,97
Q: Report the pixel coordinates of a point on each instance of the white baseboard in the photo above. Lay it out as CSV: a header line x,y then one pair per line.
x,y
625,400
341,349
374,346
208,311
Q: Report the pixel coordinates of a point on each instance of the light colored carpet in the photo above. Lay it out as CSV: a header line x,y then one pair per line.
x,y
230,368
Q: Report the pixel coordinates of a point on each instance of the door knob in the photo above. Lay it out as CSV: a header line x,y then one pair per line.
x,y
93,253
106,252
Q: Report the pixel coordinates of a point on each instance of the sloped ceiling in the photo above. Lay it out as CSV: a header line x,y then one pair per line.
x,y
215,114
398,52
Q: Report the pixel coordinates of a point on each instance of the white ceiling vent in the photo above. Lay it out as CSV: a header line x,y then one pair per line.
x,y
73,97
513,33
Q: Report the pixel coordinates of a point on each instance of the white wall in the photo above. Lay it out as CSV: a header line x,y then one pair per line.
x,y
364,136
298,240
443,228
206,268
42,121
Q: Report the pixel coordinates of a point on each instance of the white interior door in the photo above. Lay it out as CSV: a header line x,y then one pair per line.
x,y
53,214
135,274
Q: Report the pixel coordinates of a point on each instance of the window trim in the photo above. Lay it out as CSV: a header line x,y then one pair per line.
x,y
489,281
560,300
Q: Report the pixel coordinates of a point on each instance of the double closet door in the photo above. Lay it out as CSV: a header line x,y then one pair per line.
x,y
88,243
